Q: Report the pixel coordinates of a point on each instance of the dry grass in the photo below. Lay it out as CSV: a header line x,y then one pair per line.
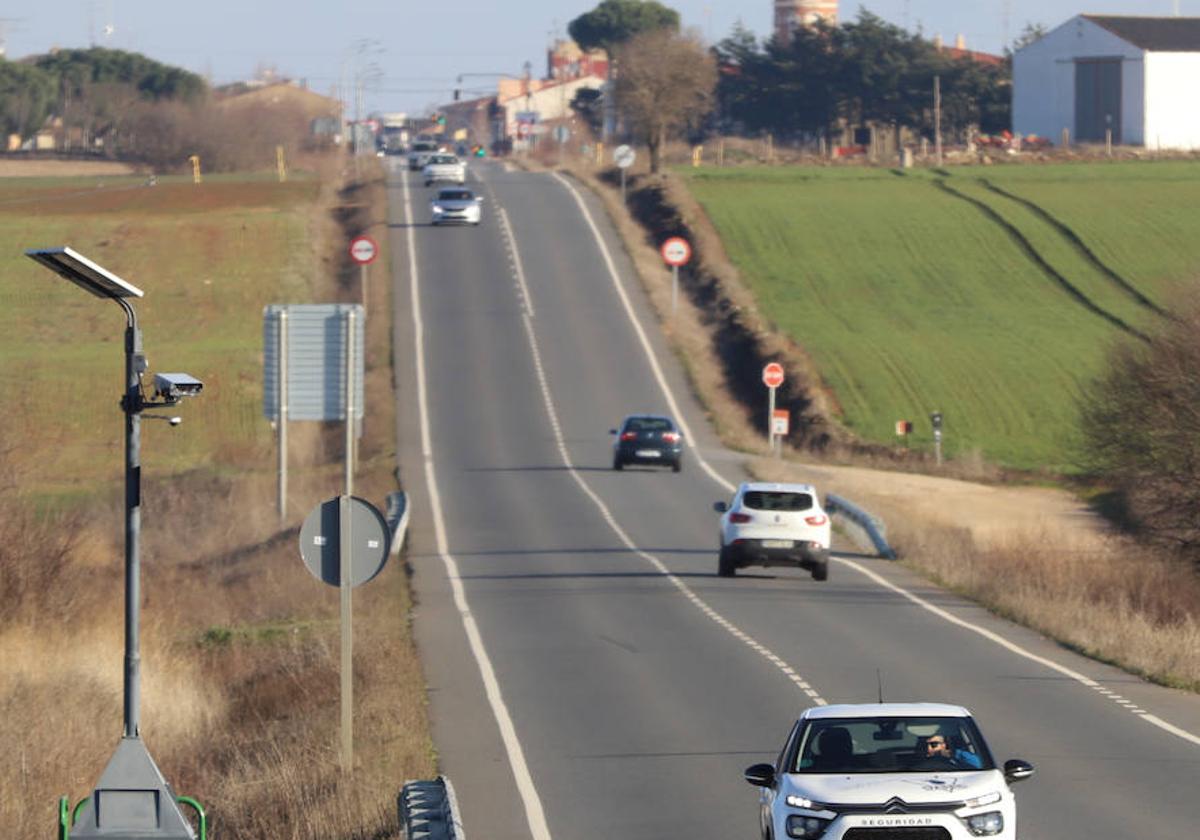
x,y
240,653
1057,571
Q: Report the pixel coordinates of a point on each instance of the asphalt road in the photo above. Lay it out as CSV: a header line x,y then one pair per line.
x,y
583,689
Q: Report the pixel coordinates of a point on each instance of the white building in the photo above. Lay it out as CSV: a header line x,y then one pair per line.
x,y
1138,76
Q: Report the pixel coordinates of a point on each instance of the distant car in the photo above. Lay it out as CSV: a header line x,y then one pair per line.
x,y
886,770
456,205
647,439
420,152
774,525
444,168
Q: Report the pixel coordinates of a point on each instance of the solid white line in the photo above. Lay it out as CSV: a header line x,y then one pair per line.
x,y
641,334
662,382
1022,652
534,813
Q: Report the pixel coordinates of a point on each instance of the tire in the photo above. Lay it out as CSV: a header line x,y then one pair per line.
x,y
821,570
676,466
618,464
725,565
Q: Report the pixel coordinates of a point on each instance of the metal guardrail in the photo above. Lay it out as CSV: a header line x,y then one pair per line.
x,y
868,526
397,519
429,810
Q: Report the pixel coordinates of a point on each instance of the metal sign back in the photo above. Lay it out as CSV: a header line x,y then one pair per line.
x,y
320,541
316,362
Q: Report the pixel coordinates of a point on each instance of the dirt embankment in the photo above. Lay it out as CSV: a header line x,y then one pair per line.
x,y
11,167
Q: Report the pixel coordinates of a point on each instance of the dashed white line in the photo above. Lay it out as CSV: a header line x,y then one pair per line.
x,y
662,383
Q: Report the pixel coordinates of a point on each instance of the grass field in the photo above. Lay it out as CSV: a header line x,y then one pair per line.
x,y
913,298
239,643
208,258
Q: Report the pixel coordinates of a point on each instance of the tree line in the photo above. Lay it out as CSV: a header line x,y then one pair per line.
x,y
90,89
862,72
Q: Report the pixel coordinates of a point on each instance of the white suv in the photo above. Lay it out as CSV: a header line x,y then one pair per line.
x,y
774,525
917,771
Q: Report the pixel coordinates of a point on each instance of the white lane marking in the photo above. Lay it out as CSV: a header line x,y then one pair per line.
x,y
1022,652
1000,640
561,443
641,334
534,813
518,268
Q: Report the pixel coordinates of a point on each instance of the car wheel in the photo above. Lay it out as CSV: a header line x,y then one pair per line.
x,y
618,464
676,466
725,565
821,570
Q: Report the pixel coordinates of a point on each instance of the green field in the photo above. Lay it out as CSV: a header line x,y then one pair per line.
x,y
912,298
208,257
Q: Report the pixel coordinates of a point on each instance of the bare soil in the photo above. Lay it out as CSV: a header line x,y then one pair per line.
x,y
43,168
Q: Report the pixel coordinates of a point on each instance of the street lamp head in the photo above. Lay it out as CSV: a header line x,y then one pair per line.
x,y
84,273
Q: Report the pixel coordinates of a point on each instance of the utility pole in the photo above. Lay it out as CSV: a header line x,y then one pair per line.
x,y
937,118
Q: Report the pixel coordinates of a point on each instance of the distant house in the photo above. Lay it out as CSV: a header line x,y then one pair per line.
x,y
1135,76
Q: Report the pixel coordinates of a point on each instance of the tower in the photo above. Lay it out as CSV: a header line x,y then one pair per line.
x,y
790,15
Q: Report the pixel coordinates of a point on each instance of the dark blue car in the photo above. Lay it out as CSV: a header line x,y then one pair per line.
x,y
647,439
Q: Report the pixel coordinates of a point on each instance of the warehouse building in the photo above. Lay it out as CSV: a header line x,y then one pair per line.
x,y
1134,76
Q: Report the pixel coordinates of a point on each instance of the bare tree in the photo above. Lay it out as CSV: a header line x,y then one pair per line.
x,y
665,83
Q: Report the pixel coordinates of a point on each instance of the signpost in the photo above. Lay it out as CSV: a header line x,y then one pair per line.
x,y
772,377
623,157
675,252
363,250
936,419
344,543
312,370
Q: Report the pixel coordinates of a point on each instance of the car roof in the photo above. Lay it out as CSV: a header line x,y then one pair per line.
x,y
878,710
774,487
648,417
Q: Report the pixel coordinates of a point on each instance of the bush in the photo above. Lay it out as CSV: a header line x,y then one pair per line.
x,y
1141,430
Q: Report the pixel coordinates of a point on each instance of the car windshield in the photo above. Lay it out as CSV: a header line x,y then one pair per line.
x,y
443,159
777,500
648,424
891,745
455,195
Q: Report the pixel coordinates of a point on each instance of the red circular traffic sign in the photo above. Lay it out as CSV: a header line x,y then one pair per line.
x,y
773,375
676,251
363,250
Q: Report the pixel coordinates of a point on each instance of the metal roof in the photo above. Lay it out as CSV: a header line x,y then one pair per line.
x,y
1156,34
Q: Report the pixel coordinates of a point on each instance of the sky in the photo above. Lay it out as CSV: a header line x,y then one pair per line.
x,y
413,52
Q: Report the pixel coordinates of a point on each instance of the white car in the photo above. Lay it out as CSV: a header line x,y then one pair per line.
x,y
445,168
774,525
456,205
420,152
887,770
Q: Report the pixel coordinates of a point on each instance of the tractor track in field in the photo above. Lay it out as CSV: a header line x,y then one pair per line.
x,y
1035,256
1080,247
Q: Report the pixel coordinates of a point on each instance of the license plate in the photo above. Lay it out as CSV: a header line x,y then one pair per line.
x,y
649,453
778,543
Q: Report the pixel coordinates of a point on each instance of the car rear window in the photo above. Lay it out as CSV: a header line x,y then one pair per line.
x,y
455,195
649,424
777,500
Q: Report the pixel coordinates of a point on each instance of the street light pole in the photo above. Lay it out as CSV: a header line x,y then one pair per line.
x,y
131,403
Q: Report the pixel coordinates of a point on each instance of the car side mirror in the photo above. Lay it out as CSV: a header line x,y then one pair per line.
x,y
1017,770
760,775
479,199
612,431
720,507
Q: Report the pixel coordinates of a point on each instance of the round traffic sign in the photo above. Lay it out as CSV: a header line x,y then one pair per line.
x,y
321,541
772,375
624,156
676,251
363,250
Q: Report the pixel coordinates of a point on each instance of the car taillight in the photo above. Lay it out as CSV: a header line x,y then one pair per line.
x,y
819,519
671,437
629,436
740,518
